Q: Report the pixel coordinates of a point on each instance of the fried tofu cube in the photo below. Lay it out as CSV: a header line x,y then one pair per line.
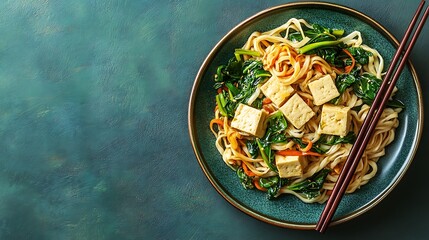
x,y
290,166
334,120
276,90
250,120
297,111
323,90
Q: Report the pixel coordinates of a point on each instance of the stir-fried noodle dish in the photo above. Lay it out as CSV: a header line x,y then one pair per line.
x,y
289,104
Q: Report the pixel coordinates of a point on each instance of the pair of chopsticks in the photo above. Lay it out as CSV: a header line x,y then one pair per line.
x,y
372,118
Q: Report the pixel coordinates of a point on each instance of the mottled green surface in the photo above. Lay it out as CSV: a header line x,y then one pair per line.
x,y
93,106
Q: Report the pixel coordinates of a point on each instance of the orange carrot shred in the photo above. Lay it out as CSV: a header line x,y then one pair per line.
x,y
308,147
266,101
349,68
258,186
216,121
318,68
247,171
268,109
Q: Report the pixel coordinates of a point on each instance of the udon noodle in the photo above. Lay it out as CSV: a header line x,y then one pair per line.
x,y
282,57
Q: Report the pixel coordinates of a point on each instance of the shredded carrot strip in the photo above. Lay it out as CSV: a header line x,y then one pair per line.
x,y
224,88
349,68
232,138
308,147
268,109
216,121
337,169
246,170
258,186
318,68
266,101
297,153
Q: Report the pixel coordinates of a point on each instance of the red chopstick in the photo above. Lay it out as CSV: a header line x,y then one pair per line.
x,y
371,120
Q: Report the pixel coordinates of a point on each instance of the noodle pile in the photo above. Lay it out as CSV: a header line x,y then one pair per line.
x,y
280,56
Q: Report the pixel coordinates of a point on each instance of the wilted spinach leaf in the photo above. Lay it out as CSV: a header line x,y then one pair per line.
x,y
311,186
238,81
367,86
252,147
245,180
326,141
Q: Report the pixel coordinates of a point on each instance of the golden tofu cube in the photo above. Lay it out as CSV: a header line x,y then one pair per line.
x,y
250,120
323,90
334,120
297,111
276,90
290,166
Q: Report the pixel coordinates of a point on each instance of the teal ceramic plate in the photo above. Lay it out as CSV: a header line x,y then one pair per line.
x,y
288,211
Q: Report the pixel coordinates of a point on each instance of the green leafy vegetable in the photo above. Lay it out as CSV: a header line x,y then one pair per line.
x,y
273,190
344,81
326,141
276,126
395,103
361,55
331,55
317,33
335,55
267,154
316,45
252,147
226,103
337,32
245,180
275,133
325,43
273,185
232,88
240,51
253,74
238,81
231,72
367,86
334,140
221,103
311,186
257,103
269,181
320,37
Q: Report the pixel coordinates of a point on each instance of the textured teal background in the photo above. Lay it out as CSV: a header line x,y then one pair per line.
x,y
93,124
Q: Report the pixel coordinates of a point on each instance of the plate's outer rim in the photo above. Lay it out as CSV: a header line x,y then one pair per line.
x,y
210,56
